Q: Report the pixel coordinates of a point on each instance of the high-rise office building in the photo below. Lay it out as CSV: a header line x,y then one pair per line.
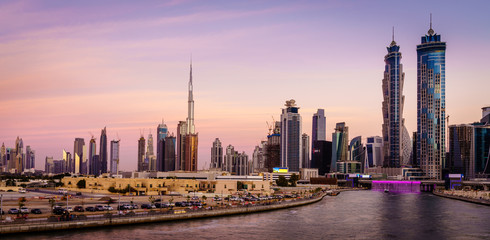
x,y
181,133
216,155
162,131
142,165
305,150
229,158
321,156
3,158
78,155
374,152
150,156
431,104
19,155
169,156
103,151
259,158
191,137
114,169
356,149
30,158
67,159
234,162
291,137
319,126
92,151
339,145
393,102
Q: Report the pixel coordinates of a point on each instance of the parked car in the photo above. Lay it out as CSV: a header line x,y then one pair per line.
x,y
135,206
24,210
108,208
90,209
36,211
22,190
99,208
69,209
13,211
78,209
58,211
195,198
145,206
79,194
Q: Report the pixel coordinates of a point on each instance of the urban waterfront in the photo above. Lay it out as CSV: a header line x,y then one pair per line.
x,y
352,214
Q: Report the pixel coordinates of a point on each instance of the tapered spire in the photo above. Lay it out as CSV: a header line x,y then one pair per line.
x,y
190,113
393,43
431,31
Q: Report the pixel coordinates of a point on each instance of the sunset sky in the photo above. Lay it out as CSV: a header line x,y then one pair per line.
x,y
69,68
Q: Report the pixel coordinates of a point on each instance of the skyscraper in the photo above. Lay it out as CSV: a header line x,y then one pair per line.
x,y
92,151
114,157
291,137
191,137
339,144
162,131
67,159
142,166
393,102
319,126
150,156
273,148
3,158
216,155
78,155
103,151
374,152
30,158
181,133
305,150
169,158
431,104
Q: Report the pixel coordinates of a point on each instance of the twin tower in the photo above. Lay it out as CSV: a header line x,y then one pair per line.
x,y
428,149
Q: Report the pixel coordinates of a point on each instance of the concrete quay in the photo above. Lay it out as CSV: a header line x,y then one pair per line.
x,y
462,198
115,220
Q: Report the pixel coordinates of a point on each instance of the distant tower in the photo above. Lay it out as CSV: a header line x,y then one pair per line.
x,y
162,131
78,156
216,155
30,158
305,150
291,137
103,151
319,127
19,155
339,144
191,137
92,151
169,158
115,157
431,104
3,158
142,165
150,157
181,134
393,102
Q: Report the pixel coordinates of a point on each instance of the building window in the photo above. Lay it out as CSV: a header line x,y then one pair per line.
x,y
151,185
225,185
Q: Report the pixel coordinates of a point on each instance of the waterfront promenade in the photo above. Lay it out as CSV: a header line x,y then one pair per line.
x,y
151,216
479,197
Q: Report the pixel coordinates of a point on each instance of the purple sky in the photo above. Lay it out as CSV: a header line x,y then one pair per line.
x,y
70,68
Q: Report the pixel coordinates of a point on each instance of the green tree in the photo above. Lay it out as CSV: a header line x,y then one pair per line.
x,y
293,179
81,183
282,181
239,185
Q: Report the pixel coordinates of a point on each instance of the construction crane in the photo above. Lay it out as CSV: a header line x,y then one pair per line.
x,y
93,137
269,127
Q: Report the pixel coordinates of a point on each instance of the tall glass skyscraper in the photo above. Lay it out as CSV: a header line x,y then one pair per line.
x,y
339,145
103,151
393,101
291,137
162,131
114,157
431,104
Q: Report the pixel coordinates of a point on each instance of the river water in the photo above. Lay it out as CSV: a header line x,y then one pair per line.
x,y
350,215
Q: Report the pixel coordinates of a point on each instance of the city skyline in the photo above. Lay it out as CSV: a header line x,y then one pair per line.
x,y
71,68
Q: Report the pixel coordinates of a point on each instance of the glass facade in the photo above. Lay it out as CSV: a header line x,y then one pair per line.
x,y
431,104
393,101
